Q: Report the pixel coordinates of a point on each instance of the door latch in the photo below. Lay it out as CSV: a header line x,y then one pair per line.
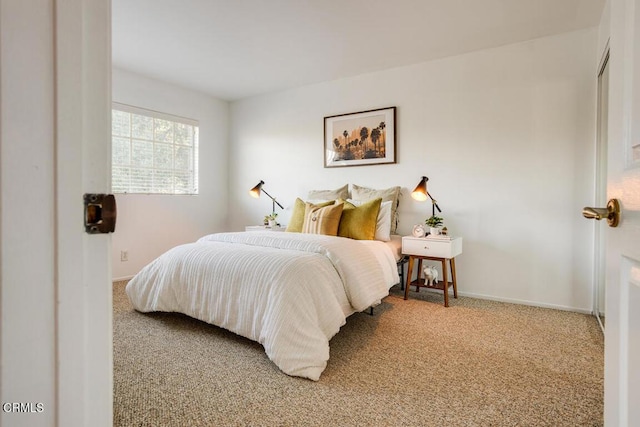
x,y
99,213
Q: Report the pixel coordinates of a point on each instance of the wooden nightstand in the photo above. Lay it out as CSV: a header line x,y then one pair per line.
x,y
437,250
263,228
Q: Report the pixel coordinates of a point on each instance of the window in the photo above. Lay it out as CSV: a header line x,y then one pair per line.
x,y
153,153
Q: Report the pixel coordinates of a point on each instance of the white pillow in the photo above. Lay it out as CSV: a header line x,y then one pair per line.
x,y
383,224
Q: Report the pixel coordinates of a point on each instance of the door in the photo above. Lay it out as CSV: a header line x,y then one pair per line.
x,y
622,330
55,280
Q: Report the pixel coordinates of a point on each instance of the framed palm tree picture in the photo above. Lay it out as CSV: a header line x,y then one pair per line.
x,y
358,139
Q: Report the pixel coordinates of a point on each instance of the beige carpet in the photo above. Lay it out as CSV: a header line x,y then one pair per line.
x,y
414,363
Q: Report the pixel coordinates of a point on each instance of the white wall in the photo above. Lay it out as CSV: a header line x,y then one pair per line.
x,y
148,225
505,135
604,29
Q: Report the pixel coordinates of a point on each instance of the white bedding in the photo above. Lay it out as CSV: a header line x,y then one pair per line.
x,y
291,292
395,244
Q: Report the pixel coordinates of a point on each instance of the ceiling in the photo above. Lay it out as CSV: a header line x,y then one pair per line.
x,y
232,49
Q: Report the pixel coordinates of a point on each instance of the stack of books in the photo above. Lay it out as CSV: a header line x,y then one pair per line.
x,y
439,237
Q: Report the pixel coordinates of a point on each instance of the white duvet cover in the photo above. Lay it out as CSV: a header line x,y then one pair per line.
x,y
290,292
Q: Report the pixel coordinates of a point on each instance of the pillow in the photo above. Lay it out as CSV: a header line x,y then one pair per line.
x,y
322,219
383,223
390,194
297,217
359,222
339,193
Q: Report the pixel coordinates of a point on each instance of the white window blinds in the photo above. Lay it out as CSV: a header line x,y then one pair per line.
x,y
152,152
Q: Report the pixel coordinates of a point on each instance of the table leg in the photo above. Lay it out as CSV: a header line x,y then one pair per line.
x,y
409,271
446,282
453,277
419,273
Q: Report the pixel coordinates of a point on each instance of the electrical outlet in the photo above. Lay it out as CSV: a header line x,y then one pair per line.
x,y
124,255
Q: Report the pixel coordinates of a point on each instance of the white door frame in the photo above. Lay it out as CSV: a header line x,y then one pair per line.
x,y
85,351
600,185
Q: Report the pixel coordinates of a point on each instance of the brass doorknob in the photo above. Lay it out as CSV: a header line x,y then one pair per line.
x,y
611,213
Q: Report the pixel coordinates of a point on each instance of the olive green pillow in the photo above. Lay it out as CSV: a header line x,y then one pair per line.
x,y
359,222
322,220
297,217
389,194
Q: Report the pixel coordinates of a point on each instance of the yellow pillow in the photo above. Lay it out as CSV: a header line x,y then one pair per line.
x,y
390,194
322,220
359,222
297,217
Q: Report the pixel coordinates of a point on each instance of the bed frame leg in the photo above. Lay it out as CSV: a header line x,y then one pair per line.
x,y
371,311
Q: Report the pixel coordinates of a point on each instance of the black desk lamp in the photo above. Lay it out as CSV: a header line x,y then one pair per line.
x,y
420,193
255,192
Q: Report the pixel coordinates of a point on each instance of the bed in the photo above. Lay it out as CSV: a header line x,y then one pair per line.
x,y
289,291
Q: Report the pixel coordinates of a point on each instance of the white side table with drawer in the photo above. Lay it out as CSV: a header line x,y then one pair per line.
x,y
421,248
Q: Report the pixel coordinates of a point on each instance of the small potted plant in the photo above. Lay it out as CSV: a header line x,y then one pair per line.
x,y
434,223
270,220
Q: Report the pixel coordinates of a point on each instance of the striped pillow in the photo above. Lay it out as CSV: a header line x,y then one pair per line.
x,y
322,219
297,217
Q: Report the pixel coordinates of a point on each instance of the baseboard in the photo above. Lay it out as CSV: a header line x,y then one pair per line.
x,y
525,302
472,295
